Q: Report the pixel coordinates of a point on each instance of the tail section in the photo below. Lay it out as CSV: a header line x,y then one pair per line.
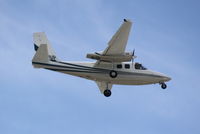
x,y
44,52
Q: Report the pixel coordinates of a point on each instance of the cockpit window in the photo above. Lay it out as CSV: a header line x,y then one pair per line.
x,y
140,66
119,65
127,66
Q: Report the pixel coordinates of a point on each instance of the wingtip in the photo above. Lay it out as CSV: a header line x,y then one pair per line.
x,y
38,33
127,20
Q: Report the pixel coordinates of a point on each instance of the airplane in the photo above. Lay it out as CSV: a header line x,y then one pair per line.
x,y
112,66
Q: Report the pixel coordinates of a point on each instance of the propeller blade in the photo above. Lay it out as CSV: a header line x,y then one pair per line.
x,y
133,54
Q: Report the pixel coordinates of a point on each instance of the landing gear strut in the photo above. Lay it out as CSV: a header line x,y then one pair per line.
x,y
163,86
113,74
107,93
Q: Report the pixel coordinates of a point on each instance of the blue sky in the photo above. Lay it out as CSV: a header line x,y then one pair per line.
x,y
165,35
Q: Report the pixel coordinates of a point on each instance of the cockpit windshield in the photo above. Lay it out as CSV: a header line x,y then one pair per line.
x,y
140,66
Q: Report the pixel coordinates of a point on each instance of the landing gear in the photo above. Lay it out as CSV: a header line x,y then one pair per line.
x,y
113,74
163,86
107,93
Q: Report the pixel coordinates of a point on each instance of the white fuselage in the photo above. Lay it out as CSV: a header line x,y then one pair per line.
x,y
126,76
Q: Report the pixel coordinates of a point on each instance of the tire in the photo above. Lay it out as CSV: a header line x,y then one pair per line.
x,y
107,93
163,86
113,74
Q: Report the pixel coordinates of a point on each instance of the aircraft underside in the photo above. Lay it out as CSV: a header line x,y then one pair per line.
x,y
121,79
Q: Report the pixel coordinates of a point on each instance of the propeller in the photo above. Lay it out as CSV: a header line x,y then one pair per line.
x,y
133,56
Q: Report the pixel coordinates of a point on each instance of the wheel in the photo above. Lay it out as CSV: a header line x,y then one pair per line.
x,y
107,93
163,86
113,74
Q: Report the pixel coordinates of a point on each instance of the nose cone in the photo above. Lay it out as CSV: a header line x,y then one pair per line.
x,y
166,78
163,77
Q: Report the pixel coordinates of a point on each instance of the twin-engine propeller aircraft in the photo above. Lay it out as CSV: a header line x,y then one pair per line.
x,y
113,65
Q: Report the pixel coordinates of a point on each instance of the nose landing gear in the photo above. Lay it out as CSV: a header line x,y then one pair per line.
x,y
163,85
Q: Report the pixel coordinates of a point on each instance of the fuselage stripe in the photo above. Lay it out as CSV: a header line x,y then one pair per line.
x,y
85,69
70,68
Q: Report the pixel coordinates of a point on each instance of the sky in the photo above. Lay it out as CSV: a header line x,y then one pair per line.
x,y
165,35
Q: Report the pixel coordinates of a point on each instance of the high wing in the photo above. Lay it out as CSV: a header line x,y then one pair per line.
x,y
117,45
115,52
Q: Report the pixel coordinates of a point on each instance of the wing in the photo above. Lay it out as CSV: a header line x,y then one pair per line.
x,y
117,45
103,86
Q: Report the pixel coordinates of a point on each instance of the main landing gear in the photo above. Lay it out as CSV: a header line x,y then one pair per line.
x,y
163,85
113,74
107,93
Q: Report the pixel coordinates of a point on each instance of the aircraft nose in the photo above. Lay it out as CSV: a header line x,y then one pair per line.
x,y
166,78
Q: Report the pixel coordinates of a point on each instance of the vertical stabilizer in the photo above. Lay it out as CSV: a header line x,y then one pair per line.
x,y
44,52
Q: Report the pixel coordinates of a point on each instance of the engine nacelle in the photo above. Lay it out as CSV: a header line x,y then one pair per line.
x,y
111,58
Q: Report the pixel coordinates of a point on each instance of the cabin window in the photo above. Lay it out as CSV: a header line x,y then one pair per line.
x,y
140,66
127,66
137,66
119,65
